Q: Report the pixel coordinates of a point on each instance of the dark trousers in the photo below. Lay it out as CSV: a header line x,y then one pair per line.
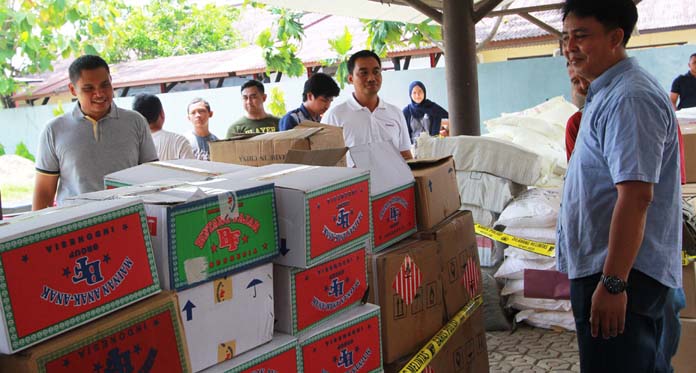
x,y
637,349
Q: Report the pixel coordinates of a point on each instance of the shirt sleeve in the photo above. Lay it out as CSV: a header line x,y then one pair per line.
x,y
675,86
404,138
287,122
148,153
184,149
47,160
633,139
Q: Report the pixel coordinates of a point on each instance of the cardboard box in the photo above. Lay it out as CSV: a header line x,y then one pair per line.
x,y
228,316
64,267
206,230
392,192
406,283
685,359
146,336
689,284
437,194
464,352
278,355
181,169
322,211
273,147
458,252
305,297
349,343
689,144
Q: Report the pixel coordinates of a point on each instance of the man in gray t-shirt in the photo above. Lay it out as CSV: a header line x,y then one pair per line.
x,y
96,138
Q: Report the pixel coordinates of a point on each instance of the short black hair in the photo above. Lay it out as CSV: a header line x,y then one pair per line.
x,y
253,83
320,85
86,62
611,14
148,106
692,56
362,54
197,100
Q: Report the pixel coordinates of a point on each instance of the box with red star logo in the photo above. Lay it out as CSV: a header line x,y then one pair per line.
x,y
64,267
305,297
145,337
349,343
228,316
183,170
322,211
280,355
205,230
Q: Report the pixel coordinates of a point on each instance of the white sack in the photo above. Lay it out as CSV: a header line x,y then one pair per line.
x,y
534,208
546,235
548,319
487,191
519,302
481,215
513,287
513,268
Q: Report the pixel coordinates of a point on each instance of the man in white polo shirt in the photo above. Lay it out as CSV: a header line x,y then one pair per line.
x,y
365,117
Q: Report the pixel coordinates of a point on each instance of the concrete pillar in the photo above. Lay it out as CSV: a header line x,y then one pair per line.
x,y
460,67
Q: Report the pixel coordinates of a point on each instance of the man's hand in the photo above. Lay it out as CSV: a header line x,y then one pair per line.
x,y
608,312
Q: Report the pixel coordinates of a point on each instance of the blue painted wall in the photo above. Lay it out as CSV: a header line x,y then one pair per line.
x,y
503,87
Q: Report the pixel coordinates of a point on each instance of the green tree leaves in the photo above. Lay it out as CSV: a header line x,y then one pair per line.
x,y
342,45
279,48
384,35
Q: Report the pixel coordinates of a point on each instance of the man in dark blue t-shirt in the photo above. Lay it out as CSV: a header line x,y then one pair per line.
x,y
684,87
319,91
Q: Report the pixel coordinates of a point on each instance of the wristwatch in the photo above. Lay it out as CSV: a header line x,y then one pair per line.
x,y
613,284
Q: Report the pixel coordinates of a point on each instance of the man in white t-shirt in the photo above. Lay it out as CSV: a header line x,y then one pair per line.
x,y
169,145
365,117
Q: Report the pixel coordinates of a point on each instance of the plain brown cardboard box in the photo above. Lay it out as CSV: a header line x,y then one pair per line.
x,y
685,359
465,352
273,147
405,328
437,194
689,144
142,324
458,252
689,284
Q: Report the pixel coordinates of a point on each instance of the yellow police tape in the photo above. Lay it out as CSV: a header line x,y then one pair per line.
x,y
541,248
426,354
686,259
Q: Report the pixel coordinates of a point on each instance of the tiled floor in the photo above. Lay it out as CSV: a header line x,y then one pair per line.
x,y
529,349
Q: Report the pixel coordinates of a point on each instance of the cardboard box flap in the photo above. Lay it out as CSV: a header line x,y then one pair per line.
x,y
300,177
39,220
181,169
388,170
329,136
320,157
295,133
419,164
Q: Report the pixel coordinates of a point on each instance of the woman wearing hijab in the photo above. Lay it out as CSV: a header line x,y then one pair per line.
x,y
422,115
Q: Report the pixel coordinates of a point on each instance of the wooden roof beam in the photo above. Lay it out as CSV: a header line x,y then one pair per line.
x,y
424,8
537,22
484,8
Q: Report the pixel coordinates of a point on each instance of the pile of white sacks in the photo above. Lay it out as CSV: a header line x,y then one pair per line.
x,y
521,150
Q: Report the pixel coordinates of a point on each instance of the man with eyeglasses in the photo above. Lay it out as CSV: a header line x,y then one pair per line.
x,y
364,116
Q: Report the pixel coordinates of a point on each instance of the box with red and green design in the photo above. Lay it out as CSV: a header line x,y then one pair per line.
x,y
304,297
349,343
280,355
64,267
322,211
205,230
392,192
144,337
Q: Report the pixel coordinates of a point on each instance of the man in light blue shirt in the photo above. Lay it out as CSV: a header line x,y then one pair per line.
x,y
619,228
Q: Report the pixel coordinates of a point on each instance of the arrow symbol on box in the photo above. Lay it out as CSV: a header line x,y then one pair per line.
x,y
284,246
188,308
430,185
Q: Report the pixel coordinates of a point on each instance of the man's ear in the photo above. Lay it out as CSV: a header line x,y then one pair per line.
x,y
350,78
617,37
210,114
264,97
72,89
310,97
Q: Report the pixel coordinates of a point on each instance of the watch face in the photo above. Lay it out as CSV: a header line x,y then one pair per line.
x,y
613,284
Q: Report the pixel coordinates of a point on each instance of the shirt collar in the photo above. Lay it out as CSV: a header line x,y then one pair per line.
x,y
355,105
78,114
307,114
608,76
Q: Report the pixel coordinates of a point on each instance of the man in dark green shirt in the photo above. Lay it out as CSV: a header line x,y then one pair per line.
x,y
256,119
